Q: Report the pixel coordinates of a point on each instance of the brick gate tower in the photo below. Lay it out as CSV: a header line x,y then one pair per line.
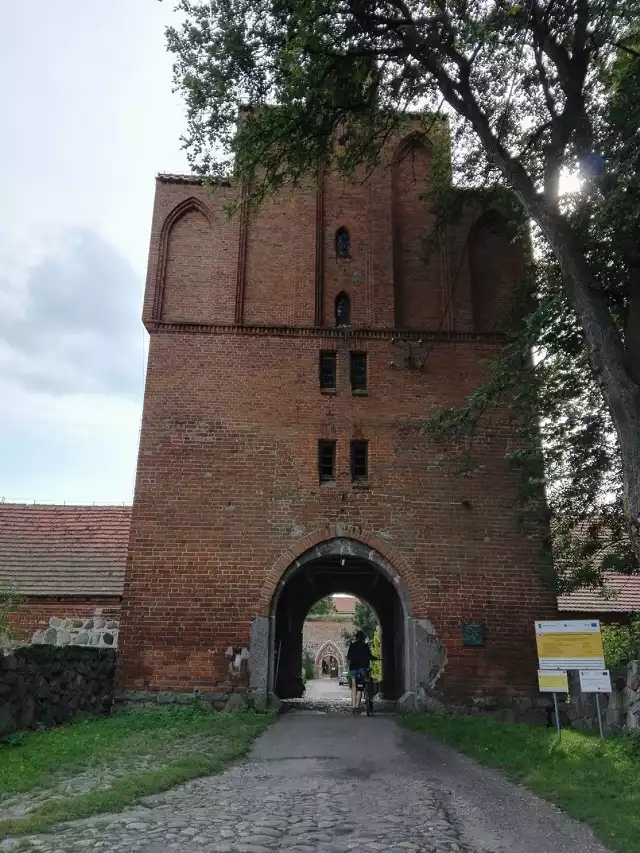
x,y
296,349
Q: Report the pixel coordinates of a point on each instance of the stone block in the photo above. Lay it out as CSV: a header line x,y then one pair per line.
x,y
7,719
54,622
407,703
258,700
259,654
50,635
99,622
235,702
274,703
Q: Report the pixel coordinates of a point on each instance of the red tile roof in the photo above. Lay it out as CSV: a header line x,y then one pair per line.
x,y
620,595
345,603
64,550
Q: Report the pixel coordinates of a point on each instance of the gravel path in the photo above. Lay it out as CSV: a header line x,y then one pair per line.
x,y
331,783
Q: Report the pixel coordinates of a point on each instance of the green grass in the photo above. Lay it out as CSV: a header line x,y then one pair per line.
x,y
42,758
594,781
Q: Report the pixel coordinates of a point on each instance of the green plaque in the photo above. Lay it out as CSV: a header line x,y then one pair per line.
x,y
473,634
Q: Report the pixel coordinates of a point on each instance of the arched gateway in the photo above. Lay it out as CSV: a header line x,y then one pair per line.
x,y
342,564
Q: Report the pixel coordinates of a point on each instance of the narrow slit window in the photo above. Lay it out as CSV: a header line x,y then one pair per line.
x,y
343,243
326,461
343,310
327,371
359,461
359,372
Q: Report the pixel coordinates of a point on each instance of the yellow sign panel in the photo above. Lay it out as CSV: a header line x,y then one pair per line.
x,y
574,644
552,682
569,645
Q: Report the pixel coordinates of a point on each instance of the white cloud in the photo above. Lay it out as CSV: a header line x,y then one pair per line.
x,y
73,447
88,119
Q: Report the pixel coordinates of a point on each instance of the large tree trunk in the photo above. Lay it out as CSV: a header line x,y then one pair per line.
x,y
607,354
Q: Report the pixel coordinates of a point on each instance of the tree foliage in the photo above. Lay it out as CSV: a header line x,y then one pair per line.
x,y
10,602
365,619
530,89
322,607
621,643
376,651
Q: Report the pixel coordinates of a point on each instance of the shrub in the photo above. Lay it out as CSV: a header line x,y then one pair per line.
x,y
621,643
376,651
10,602
307,665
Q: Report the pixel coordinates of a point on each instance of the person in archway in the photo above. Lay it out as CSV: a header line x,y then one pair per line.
x,y
359,657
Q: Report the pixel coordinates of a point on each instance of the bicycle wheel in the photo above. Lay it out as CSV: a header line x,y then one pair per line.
x,y
369,698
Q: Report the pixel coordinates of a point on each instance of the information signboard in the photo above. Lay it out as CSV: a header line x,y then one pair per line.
x,y
574,644
595,681
552,681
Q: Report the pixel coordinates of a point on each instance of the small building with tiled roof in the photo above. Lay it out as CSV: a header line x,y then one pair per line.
x,y
345,604
616,601
67,561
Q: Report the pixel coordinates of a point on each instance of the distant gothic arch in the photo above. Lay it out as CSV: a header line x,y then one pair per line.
x,y
328,649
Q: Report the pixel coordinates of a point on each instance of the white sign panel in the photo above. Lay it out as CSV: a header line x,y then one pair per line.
x,y
573,644
595,681
568,626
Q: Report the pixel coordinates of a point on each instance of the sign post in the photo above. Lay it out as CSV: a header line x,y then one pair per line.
x,y
553,681
563,645
596,681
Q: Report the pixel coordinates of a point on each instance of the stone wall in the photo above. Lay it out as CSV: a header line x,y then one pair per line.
x,y
42,686
37,611
97,631
620,709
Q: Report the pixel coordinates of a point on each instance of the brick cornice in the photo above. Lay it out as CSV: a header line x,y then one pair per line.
x,y
156,327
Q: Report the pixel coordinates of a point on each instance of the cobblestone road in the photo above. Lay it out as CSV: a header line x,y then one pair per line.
x,y
324,784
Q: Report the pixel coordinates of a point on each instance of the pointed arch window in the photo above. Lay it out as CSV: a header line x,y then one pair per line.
x,y
343,310
343,243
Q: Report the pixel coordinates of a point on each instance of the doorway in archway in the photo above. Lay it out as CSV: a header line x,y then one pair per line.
x,y
337,566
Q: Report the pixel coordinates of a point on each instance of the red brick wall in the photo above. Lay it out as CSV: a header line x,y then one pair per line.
x,y
36,612
280,260
227,481
227,471
193,265
495,264
417,271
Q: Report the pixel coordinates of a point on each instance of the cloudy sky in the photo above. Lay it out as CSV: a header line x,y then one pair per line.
x,y
88,120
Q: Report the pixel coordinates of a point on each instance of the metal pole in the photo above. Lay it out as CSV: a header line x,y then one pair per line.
x,y
599,716
555,704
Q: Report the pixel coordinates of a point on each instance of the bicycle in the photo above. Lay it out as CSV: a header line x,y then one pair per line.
x,y
364,686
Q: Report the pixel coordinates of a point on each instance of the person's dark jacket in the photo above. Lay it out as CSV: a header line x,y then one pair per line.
x,y
359,655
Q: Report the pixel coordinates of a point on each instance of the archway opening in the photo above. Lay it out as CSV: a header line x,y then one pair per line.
x,y
340,567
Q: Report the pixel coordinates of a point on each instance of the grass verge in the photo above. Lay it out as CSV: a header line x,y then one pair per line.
x,y
594,781
42,759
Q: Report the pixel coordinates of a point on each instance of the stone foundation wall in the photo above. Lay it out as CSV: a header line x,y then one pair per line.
x,y
36,612
96,631
620,709
43,686
127,700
